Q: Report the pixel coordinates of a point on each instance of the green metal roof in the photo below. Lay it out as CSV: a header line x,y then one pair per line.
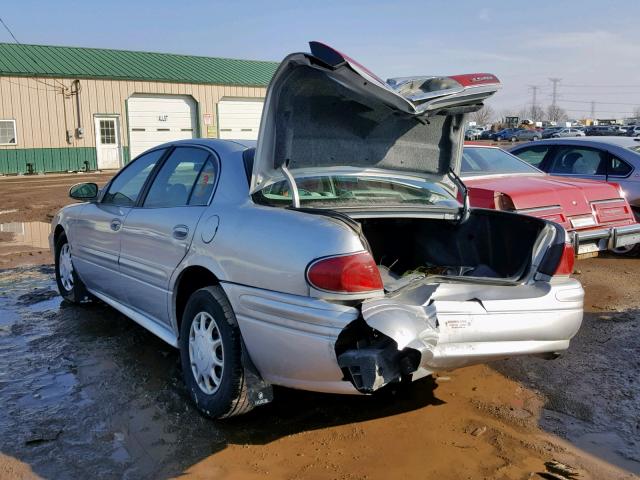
x,y
74,62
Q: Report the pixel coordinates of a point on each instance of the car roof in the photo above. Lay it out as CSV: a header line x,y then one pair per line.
x,y
595,141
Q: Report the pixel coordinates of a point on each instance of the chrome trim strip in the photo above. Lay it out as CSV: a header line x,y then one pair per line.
x,y
539,209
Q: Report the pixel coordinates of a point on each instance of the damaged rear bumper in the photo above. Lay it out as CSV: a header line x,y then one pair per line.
x,y
462,324
316,345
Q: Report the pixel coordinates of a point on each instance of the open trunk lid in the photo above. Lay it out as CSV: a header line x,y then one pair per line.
x,y
324,110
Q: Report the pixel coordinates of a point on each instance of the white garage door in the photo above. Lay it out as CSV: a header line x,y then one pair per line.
x,y
156,119
239,118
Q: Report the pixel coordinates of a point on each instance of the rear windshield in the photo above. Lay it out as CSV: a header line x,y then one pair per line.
x,y
492,161
335,191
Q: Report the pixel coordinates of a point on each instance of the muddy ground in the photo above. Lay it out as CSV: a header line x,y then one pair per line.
x,y
27,205
86,393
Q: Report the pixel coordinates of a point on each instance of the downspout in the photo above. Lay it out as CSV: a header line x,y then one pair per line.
x,y
76,91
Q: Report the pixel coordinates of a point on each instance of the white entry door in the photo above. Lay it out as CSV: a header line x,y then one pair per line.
x,y
107,142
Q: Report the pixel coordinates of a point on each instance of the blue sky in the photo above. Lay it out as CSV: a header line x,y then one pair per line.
x,y
593,46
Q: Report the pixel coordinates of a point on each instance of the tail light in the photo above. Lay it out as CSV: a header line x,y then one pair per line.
x,y
353,273
503,202
567,261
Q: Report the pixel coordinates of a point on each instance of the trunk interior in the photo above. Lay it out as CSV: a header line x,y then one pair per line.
x,y
489,244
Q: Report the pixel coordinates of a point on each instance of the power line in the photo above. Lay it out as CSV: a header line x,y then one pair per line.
x,y
591,101
570,85
9,30
31,58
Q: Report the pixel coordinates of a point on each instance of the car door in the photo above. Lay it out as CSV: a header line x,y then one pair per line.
x,y
578,161
157,233
97,236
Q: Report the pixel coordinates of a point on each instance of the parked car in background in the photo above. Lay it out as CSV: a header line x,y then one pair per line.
x,y
547,132
472,133
612,159
633,131
603,131
596,214
507,135
568,132
528,134
487,135
334,257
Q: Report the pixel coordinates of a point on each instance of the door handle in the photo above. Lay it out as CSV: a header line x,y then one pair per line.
x,y
115,224
180,232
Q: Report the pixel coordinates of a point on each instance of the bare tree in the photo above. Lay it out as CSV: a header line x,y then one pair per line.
x,y
556,114
483,116
636,112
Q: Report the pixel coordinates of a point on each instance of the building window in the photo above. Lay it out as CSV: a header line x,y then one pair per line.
x,y
8,132
107,132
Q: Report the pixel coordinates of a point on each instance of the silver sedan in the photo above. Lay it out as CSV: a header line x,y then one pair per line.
x,y
335,257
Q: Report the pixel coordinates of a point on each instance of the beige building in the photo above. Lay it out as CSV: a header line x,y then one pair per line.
x,y
72,109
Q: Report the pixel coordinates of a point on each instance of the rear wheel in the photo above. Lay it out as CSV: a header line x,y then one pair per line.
x,y
514,139
211,355
70,286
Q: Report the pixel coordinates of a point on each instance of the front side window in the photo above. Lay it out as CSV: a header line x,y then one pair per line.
x,y
335,191
125,189
186,178
533,155
8,132
491,161
578,161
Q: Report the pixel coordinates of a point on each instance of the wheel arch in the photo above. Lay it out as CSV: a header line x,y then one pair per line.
x,y
59,230
192,278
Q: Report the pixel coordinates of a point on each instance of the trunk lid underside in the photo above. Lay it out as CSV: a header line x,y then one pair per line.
x,y
325,110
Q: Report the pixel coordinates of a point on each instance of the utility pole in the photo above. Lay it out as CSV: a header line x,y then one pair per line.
x,y
593,110
554,94
534,103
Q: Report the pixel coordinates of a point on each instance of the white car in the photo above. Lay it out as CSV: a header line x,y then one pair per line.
x,y
568,132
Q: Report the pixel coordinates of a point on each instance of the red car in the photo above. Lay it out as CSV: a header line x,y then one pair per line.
x,y
596,214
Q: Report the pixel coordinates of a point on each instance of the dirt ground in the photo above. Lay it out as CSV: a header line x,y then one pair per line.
x,y
86,392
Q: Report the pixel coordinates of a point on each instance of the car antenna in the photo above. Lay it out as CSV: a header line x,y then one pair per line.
x,y
295,195
466,205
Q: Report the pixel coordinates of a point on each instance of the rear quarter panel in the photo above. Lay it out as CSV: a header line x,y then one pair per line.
x,y
260,246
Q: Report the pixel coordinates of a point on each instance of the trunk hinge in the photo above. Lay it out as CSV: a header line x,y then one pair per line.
x,y
466,203
295,196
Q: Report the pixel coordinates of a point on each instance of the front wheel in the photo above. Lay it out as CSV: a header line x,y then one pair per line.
x,y
514,139
211,355
70,286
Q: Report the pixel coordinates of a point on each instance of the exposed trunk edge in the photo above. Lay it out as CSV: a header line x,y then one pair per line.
x,y
435,275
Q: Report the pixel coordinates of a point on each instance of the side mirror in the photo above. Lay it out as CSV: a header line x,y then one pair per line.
x,y
84,191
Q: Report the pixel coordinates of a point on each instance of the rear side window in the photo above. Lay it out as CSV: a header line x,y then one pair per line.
x,y
578,161
484,161
186,178
127,186
618,167
533,155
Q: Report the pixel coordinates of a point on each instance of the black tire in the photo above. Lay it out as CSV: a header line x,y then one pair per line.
x,y
632,252
231,397
78,292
